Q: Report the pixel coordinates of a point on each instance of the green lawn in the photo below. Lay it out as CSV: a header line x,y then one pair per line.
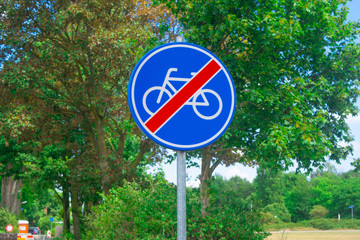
x,y
315,235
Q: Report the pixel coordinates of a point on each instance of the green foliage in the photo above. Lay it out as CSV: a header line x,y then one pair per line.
x,y
44,224
234,193
294,63
346,193
323,190
356,164
327,224
323,223
335,192
6,218
268,186
135,212
268,218
64,71
278,210
298,196
228,217
40,202
148,211
223,223
318,211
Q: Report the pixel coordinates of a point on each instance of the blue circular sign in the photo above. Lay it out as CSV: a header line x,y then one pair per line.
x,y
181,96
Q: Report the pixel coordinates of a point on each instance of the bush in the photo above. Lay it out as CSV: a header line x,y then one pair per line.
x,y
323,223
135,212
148,212
278,210
327,224
318,211
269,218
349,224
223,223
6,218
45,224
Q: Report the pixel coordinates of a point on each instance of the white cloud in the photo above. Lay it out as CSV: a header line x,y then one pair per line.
x,y
248,173
193,183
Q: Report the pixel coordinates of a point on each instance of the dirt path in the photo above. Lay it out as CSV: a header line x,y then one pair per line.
x,y
315,235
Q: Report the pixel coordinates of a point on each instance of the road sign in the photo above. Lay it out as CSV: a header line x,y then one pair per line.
x,y
48,234
181,96
9,228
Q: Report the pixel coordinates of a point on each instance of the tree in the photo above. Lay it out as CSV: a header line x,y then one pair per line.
x,y
38,202
346,193
64,69
12,156
298,196
318,211
296,68
323,189
356,164
278,210
234,193
269,187
77,57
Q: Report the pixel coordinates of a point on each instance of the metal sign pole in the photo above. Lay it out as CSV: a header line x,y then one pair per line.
x,y
181,195
181,186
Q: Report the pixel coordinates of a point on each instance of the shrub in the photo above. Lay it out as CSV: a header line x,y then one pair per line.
x,y
318,211
349,224
223,223
44,224
324,224
148,212
6,218
269,218
135,212
278,210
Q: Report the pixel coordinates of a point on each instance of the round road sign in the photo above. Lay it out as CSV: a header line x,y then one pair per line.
x,y
181,96
9,228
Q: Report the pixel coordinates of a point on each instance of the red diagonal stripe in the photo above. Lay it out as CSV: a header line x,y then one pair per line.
x,y
182,96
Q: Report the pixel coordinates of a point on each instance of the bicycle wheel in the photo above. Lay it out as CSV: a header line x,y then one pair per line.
x,y
151,96
196,105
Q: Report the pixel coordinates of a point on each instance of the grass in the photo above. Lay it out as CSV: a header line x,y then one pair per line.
x,y
315,235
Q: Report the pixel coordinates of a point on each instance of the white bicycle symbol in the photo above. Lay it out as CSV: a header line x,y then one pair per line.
x,y
192,101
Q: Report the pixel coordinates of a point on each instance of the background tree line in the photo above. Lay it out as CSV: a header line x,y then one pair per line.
x,y
64,67
297,197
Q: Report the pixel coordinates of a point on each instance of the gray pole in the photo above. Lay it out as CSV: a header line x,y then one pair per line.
x,y
352,211
181,186
181,195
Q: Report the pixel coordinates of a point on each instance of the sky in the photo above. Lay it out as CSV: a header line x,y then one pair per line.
x,y
249,173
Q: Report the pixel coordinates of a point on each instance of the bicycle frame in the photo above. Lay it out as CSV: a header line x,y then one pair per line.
x,y
171,90
178,79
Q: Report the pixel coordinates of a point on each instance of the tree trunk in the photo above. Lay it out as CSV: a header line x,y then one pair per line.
x,y
97,137
204,180
9,194
102,155
75,206
66,209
